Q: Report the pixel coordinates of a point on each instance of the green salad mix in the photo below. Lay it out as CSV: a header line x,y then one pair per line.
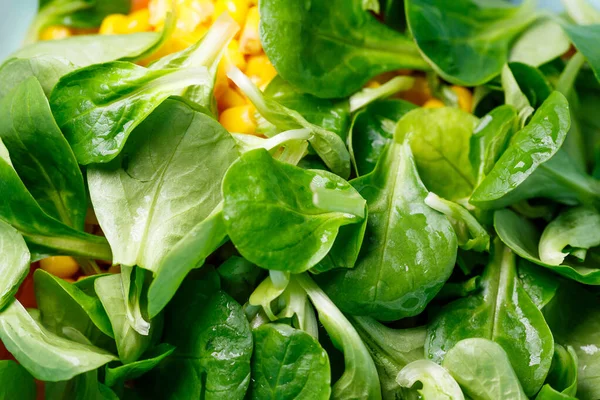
x,y
358,247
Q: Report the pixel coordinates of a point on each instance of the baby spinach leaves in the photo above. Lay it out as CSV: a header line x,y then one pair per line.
x,y
422,252
483,370
502,312
212,355
288,364
116,375
98,107
330,49
45,355
562,379
14,264
439,139
174,161
529,148
41,155
523,237
467,41
313,203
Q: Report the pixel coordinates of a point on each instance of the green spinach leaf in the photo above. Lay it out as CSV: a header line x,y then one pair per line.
x,y
14,264
16,382
584,39
82,387
43,234
391,350
159,207
41,155
482,369
542,42
130,344
290,218
117,375
288,364
46,356
573,232
467,41
440,139
502,312
331,49
523,237
562,380
328,145
395,278
372,128
213,346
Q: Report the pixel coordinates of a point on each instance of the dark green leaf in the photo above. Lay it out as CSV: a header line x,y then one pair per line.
x,y
288,364
290,218
331,48
585,39
371,129
15,382
467,41
395,278
41,155
117,375
502,312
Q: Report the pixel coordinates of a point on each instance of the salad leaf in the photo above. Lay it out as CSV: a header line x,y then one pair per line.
x,y
439,139
331,49
42,233
502,312
436,382
583,37
164,169
391,350
423,251
467,41
63,305
327,144
523,237
314,203
83,386
14,264
288,364
41,155
529,148
213,346
16,382
130,344
359,379
542,42
371,129
117,375
46,356
483,370
562,379
574,231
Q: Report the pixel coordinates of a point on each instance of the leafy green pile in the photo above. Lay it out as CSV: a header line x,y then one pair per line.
x,y
361,248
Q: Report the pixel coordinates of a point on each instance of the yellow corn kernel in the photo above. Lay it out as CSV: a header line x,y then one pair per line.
x,y
233,56
190,13
372,84
433,103
60,266
114,269
419,94
231,98
114,24
239,119
236,8
55,32
260,70
222,82
250,39
138,22
465,98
